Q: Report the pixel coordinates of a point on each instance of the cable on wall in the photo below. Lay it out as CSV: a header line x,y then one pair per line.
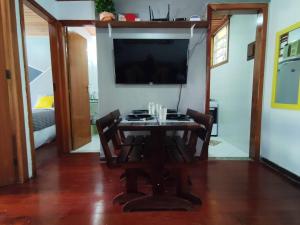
x,y
179,98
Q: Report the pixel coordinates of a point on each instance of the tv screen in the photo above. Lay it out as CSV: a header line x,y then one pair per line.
x,y
151,61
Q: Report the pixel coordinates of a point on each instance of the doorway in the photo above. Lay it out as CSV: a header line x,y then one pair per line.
x,y
231,84
235,69
83,81
40,84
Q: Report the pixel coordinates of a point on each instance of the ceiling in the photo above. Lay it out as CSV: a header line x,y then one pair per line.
x,y
34,24
217,21
37,26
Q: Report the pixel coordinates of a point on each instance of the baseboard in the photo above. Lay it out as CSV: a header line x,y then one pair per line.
x,y
291,176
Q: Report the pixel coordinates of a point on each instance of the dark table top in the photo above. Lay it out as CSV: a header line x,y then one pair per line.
x,y
155,124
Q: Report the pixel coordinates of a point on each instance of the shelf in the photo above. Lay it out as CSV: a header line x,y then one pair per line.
x,y
150,24
142,24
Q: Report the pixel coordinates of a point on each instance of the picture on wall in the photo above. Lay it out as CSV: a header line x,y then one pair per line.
x,y
286,78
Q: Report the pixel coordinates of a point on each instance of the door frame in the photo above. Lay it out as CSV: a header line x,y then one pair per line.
x,y
60,79
259,66
12,62
8,171
66,24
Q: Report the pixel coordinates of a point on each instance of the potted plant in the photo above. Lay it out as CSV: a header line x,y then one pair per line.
x,y
106,9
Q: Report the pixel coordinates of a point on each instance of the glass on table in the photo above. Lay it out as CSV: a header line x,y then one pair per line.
x,y
163,113
151,108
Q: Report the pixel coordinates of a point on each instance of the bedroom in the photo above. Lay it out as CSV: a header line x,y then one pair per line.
x,y
40,81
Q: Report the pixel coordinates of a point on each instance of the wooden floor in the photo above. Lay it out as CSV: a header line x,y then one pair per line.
x,y
46,154
78,190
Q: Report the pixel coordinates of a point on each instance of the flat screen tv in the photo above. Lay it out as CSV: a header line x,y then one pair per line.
x,y
151,61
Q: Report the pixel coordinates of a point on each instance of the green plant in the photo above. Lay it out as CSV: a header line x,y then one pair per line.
x,y
105,6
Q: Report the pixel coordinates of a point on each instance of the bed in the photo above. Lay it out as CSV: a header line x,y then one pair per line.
x,y
43,126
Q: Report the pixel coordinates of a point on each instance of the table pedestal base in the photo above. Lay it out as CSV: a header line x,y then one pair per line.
x,y
190,197
127,197
158,203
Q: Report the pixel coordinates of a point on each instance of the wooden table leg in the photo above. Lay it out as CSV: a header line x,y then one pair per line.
x,y
183,187
131,188
159,200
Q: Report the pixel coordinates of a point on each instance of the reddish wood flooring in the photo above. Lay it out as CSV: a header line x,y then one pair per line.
x,y
77,190
46,154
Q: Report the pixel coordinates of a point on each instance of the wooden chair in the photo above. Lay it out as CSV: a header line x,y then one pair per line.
x,y
138,140
117,117
127,155
188,142
182,152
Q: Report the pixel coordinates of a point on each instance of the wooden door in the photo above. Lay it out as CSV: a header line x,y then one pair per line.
x,y
7,168
79,92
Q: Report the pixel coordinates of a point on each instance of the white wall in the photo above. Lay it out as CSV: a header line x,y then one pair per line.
x,y
70,10
179,8
75,10
38,52
49,5
231,84
41,86
280,128
128,97
93,66
39,57
160,8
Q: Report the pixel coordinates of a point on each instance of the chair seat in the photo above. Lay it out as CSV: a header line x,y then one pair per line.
x,y
177,150
134,140
129,154
131,150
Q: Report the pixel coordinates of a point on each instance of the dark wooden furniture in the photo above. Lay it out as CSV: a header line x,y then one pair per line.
x,y
188,142
158,161
117,117
184,149
129,139
159,154
126,153
204,134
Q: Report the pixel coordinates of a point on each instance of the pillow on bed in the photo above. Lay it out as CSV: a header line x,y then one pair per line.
x,y
45,102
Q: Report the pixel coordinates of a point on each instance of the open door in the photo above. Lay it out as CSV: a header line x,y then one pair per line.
x,y
7,168
79,90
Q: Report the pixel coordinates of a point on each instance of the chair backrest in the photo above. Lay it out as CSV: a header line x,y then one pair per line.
x,y
107,128
116,114
117,117
206,121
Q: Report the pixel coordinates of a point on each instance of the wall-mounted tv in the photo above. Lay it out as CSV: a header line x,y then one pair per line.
x,y
151,61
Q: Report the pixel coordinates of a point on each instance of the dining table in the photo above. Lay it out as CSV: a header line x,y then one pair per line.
x,y
156,149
